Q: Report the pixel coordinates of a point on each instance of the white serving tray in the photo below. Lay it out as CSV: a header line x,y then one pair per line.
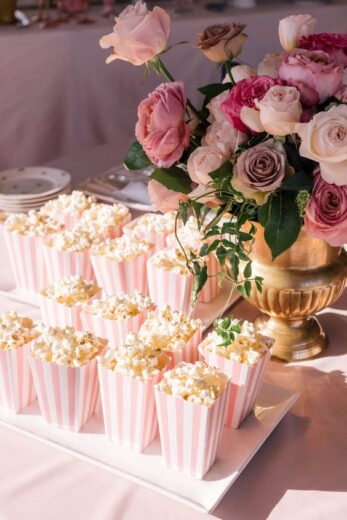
x,y
147,469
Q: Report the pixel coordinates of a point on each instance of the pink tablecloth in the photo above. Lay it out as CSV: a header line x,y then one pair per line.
x,y
300,472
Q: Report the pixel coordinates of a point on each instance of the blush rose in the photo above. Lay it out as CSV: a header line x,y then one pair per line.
x,y
163,199
293,27
333,44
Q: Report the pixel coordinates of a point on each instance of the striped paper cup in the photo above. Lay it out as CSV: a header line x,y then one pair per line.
x,y
126,277
64,263
128,408
26,260
67,395
245,384
57,314
158,239
114,331
167,287
16,382
211,288
189,353
117,230
189,433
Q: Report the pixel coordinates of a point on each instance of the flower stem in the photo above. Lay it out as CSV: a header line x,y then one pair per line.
x,y
229,73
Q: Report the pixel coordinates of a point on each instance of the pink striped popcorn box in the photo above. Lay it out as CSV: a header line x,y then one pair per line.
x,y
67,395
126,276
57,314
128,408
245,384
158,239
26,260
114,331
211,289
190,433
16,382
189,353
167,287
118,230
69,220
65,263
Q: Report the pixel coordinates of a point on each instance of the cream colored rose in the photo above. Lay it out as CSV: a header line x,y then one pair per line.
x,y
221,42
324,139
223,136
293,27
279,106
138,35
269,65
214,106
240,72
202,162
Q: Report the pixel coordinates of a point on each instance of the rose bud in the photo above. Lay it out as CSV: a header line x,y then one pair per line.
x,y
221,42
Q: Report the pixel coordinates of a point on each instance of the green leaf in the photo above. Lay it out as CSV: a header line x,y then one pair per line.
x,y
294,158
247,272
284,223
136,157
264,212
248,288
235,261
223,172
214,89
202,279
204,250
183,212
259,283
297,182
173,178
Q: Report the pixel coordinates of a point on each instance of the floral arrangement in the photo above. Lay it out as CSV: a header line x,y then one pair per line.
x,y
266,145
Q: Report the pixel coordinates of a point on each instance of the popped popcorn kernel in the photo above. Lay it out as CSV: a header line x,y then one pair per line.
x,y
189,234
17,330
171,260
101,218
123,248
197,383
74,241
120,307
135,358
31,224
67,346
76,202
71,290
154,222
168,329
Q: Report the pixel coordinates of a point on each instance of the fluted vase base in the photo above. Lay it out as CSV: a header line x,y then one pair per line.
x,y
295,340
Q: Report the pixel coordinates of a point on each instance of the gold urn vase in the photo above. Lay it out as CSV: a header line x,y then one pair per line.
x,y
302,281
7,9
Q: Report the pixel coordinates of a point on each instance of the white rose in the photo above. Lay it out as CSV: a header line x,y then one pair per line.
x,y
293,27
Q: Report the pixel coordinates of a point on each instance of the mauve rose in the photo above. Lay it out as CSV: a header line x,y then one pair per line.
x,y
341,94
280,106
223,136
269,65
244,94
324,140
203,161
333,44
221,42
138,35
326,212
312,68
260,170
163,199
293,27
161,128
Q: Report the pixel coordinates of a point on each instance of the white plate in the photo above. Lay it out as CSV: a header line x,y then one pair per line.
x,y
27,183
33,200
147,469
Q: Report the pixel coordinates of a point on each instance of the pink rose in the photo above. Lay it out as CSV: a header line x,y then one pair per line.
x,y
315,69
280,106
163,199
333,44
260,170
161,128
138,35
244,94
240,72
215,107
326,212
341,94
293,27
223,136
202,194
269,65
308,95
324,140
202,162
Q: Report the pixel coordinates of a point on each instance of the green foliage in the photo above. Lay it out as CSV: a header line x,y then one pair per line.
x,y
173,178
214,89
136,157
227,329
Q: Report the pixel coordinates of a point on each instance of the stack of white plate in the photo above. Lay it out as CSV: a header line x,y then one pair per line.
x,y
23,189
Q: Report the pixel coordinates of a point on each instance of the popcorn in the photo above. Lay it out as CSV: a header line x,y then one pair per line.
x,y
74,241
168,329
198,383
189,234
249,346
155,222
135,358
67,346
77,202
171,260
31,224
71,290
101,218
17,330
120,307
122,248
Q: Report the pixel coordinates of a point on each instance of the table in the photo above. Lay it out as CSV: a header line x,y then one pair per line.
x,y
58,97
300,472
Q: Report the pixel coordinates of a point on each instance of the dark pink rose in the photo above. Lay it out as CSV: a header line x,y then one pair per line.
x,y
333,44
313,70
161,128
326,212
244,94
163,199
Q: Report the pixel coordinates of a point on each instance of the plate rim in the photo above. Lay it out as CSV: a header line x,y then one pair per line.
x,y
30,196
